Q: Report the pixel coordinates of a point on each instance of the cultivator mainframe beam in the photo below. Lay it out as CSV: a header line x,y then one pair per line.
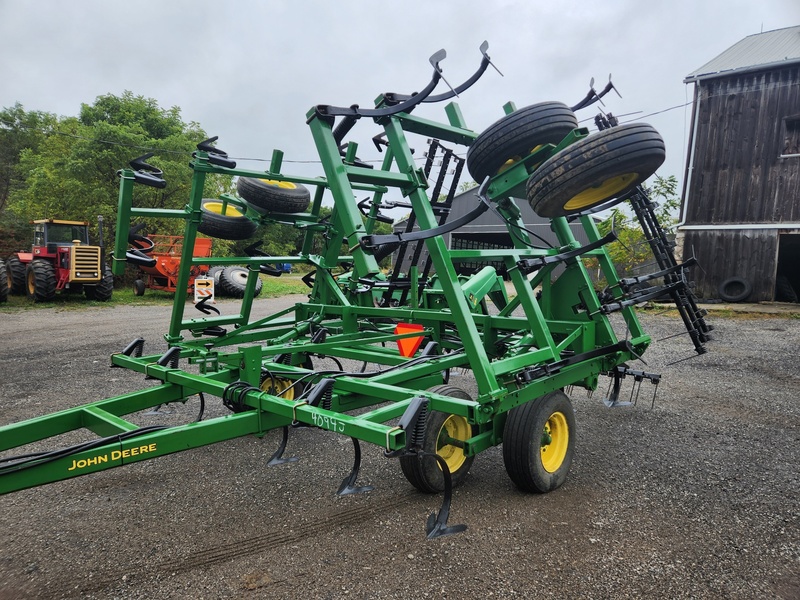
x,y
404,333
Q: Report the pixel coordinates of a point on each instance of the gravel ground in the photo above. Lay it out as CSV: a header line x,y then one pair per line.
x,y
694,498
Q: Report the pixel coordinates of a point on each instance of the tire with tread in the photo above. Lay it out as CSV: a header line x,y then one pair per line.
x,y
533,429
515,135
214,273
424,472
273,196
5,283
735,289
595,170
233,282
40,281
103,290
16,276
233,225
138,287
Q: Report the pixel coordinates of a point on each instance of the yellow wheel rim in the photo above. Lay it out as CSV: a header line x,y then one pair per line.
x,y
555,440
282,387
454,428
515,159
287,185
606,190
230,211
31,279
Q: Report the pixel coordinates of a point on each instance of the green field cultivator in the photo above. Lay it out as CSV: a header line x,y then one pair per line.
x,y
404,332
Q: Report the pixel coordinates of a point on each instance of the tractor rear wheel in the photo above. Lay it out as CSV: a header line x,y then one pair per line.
x,y
595,170
16,275
103,290
443,432
232,224
516,135
274,196
233,282
4,282
40,278
539,441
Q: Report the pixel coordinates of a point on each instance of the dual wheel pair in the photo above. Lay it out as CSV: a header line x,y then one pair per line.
x,y
228,220
37,279
594,171
537,445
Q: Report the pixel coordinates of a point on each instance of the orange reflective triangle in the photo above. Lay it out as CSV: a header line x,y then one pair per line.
x,y
408,346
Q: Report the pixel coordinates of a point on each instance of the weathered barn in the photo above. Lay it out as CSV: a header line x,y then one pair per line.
x,y
741,199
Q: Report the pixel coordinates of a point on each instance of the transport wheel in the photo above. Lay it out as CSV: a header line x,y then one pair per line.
x,y
274,196
16,276
138,287
424,472
40,281
102,291
596,169
4,282
516,135
233,282
735,289
538,442
232,225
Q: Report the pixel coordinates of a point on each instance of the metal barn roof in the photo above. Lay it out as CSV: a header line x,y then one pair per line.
x,y
768,50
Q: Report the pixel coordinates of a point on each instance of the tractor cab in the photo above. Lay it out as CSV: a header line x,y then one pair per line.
x,y
54,232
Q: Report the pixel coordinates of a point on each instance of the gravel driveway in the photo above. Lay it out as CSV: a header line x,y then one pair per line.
x,y
695,498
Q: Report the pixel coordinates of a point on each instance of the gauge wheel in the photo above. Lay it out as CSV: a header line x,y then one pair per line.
x,y
274,196
539,441
516,135
595,170
424,472
138,287
16,276
233,282
232,224
40,281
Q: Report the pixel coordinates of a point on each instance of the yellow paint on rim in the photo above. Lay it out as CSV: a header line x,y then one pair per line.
x,y
282,387
287,185
599,193
230,211
554,451
515,159
457,428
31,280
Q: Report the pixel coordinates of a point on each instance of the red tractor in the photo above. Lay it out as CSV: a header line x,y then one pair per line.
x,y
61,259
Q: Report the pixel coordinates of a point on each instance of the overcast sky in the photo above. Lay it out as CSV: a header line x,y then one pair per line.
x,y
248,71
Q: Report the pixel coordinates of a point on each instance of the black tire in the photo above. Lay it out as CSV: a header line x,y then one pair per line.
x,y
525,447
233,225
424,472
735,289
214,273
103,290
784,292
138,287
596,169
516,135
40,281
233,282
4,282
16,276
274,196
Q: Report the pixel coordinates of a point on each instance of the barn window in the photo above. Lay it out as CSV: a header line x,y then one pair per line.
x,y
791,136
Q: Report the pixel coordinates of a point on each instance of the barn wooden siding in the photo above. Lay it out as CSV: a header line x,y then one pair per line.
x,y
738,177
727,253
737,174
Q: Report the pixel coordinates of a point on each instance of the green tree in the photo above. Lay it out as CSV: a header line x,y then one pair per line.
x,y
631,250
71,173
